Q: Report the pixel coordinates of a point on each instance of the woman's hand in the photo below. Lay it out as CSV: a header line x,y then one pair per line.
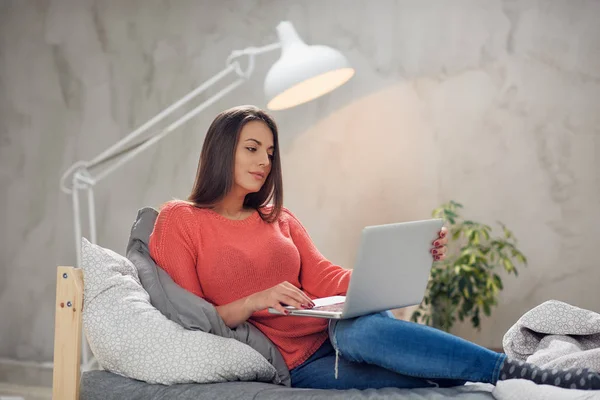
x,y
284,293
238,312
439,245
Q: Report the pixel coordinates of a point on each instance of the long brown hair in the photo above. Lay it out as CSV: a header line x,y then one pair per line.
x,y
215,174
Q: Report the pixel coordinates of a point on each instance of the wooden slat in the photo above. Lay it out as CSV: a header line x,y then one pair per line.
x,y
67,333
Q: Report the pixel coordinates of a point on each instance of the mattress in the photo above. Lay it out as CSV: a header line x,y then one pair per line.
x,y
103,385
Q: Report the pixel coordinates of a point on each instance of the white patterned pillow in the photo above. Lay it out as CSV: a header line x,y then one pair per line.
x,y
130,337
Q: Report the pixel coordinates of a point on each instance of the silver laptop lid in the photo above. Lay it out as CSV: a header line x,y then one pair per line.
x,y
392,266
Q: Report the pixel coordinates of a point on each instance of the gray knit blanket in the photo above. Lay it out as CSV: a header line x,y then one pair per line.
x,y
556,335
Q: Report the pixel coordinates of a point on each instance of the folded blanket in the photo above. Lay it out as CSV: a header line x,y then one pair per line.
x,y
556,335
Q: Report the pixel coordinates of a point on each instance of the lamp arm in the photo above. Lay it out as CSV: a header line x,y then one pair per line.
x,y
251,52
117,147
117,150
169,129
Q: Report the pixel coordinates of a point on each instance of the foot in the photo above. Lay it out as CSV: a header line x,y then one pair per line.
x,y
574,378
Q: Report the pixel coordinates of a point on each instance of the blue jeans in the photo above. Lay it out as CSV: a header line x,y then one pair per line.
x,y
379,351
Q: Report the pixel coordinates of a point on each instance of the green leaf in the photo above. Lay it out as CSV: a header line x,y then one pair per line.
x,y
472,259
507,233
455,204
498,281
466,268
485,234
486,309
415,316
468,233
466,307
519,256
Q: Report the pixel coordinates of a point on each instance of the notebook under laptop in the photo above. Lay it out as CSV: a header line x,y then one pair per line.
x,y
392,268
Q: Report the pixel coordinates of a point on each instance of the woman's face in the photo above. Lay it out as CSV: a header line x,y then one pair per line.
x,y
253,156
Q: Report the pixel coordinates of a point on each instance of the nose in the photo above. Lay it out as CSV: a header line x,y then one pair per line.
x,y
265,160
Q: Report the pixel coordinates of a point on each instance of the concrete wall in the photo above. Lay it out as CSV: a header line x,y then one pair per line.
x,y
494,104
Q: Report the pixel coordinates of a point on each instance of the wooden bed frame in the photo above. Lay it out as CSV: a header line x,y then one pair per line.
x,y
67,333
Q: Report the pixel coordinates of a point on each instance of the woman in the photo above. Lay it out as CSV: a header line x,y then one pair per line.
x,y
227,246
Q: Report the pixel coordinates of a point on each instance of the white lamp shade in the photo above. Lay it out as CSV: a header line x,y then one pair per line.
x,y
303,72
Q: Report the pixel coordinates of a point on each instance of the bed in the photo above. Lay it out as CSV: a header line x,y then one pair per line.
x,y
70,384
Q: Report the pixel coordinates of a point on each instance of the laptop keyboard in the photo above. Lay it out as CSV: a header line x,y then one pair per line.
x,y
338,307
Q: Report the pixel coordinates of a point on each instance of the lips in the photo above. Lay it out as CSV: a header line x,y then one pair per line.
x,y
259,175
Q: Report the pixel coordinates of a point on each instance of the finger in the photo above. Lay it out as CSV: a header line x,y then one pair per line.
x,y
443,232
291,300
440,242
287,301
280,308
308,301
439,250
439,257
304,297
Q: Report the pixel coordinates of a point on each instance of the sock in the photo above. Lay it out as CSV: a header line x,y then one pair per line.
x,y
574,378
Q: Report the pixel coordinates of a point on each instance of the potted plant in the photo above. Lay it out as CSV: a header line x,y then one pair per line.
x,y
466,283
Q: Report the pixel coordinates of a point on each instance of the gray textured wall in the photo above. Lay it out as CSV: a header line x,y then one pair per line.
x,y
491,103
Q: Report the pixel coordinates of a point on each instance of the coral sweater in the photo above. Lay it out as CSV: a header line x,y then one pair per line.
x,y
223,260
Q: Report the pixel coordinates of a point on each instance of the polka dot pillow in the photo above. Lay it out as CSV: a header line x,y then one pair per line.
x,y
130,337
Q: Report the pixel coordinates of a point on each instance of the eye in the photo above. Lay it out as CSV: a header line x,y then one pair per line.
x,y
252,149
271,156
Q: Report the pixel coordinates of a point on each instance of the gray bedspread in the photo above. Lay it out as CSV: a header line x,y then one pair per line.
x,y
103,385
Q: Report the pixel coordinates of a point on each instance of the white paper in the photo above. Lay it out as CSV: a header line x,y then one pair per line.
x,y
325,301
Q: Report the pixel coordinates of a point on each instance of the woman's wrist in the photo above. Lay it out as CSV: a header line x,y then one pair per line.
x,y
250,304
233,314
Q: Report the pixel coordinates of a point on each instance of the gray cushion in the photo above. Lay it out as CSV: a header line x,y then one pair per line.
x,y
185,308
102,385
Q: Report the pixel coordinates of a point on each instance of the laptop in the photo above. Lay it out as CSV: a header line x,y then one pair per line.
x,y
391,271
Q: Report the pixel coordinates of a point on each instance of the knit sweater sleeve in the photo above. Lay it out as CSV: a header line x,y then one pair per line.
x,y
173,245
318,276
